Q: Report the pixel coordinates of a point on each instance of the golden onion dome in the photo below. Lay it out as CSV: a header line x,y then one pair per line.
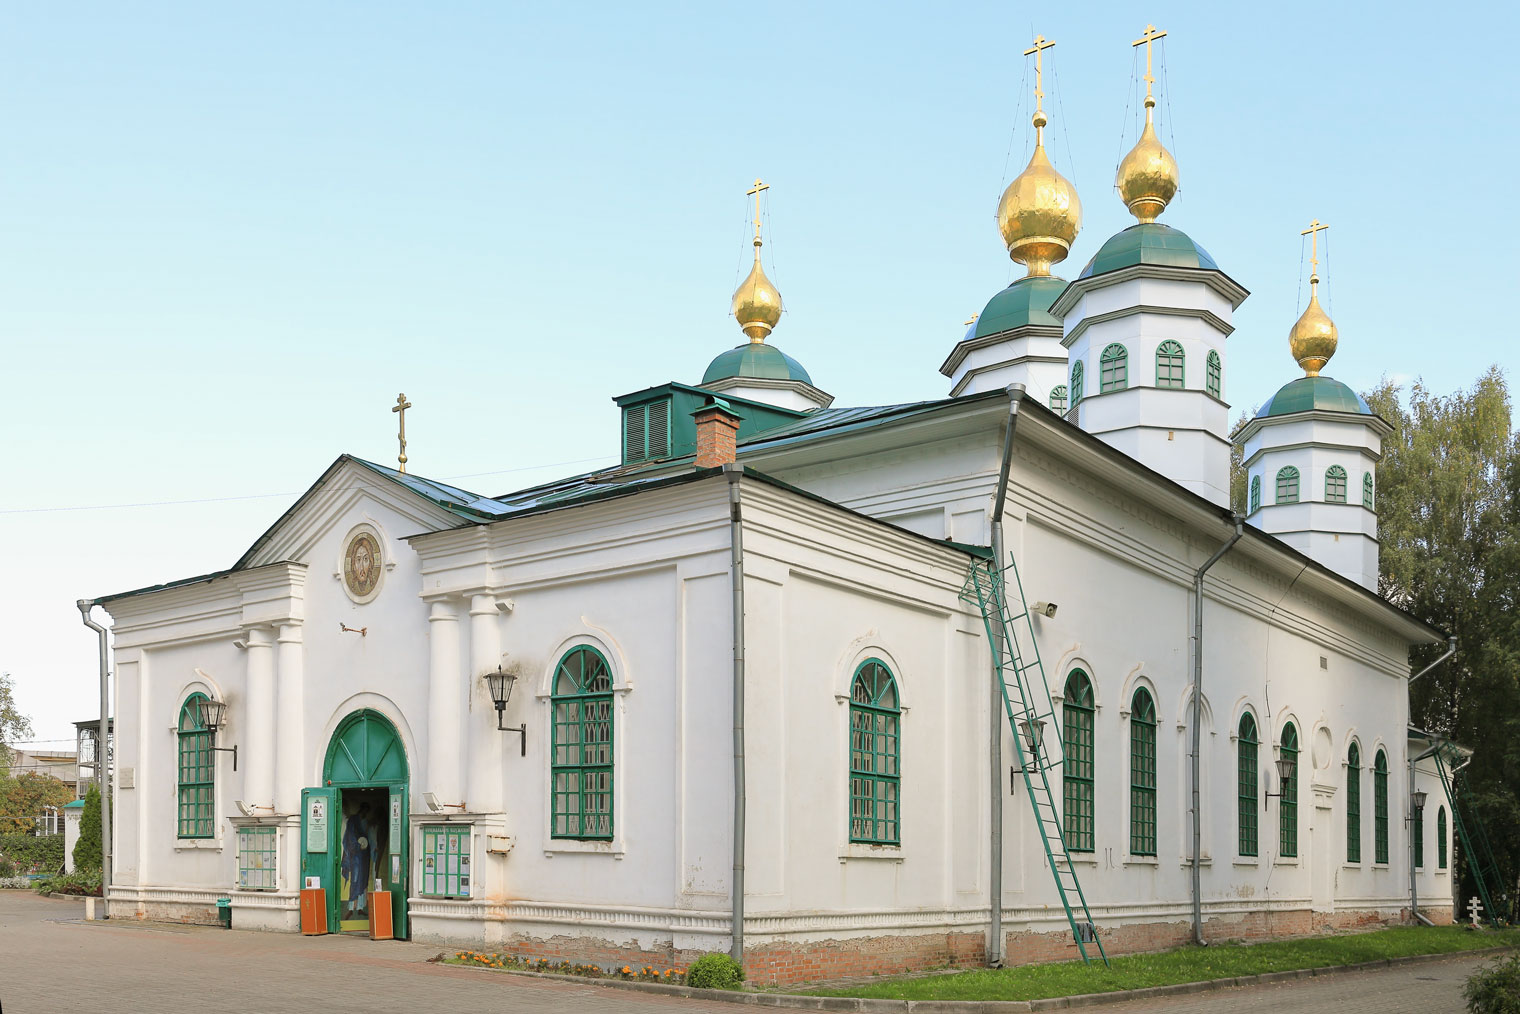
x,y
1313,338
757,303
1147,178
1040,213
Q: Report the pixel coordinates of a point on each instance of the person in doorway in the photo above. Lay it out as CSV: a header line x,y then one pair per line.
x,y
358,854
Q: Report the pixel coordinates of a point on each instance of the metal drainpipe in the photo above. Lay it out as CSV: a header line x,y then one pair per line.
x,y
734,472
1414,887
102,754
995,943
1198,725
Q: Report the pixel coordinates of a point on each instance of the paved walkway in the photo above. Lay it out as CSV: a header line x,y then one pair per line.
x,y
51,960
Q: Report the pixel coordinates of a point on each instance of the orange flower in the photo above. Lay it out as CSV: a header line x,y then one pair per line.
x,y
626,970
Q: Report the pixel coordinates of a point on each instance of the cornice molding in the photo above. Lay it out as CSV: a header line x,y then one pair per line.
x,y
1211,277
1213,320
966,346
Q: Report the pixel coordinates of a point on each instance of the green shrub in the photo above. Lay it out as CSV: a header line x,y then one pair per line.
x,y
715,971
1495,988
83,882
87,848
27,853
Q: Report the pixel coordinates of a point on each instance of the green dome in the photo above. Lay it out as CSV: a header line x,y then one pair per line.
x,y
755,359
1026,301
1310,394
1148,243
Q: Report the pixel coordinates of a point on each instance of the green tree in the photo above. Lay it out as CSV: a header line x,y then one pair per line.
x,y
87,850
1238,492
28,795
14,726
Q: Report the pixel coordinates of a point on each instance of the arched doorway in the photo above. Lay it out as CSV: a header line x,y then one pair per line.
x,y
354,826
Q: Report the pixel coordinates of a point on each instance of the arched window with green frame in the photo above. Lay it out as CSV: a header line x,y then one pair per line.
x,y
1246,746
1335,484
197,772
1171,363
1287,811
1214,374
1353,804
1441,838
1255,493
875,756
581,758
1417,818
1058,398
1380,808
1142,774
1077,712
1367,490
1287,485
1113,369
1076,383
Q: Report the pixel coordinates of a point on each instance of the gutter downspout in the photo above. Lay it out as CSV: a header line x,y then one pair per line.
x,y
733,472
1414,889
995,811
102,753
1194,760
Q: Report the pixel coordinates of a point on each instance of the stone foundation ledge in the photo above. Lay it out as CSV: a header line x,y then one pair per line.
x,y
797,1001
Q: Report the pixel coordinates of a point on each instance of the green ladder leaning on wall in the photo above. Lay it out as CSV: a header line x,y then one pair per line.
x,y
1480,856
1026,699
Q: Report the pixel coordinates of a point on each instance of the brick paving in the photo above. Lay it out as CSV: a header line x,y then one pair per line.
x,y
51,960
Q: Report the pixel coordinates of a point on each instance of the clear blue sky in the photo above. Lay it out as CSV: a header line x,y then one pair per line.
x,y
229,236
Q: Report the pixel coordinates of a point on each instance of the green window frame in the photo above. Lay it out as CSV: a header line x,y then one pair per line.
x,y
1171,365
1113,369
257,855
1441,838
446,860
1077,713
1354,805
1247,746
1417,819
1076,383
1367,490
646,431
1058,398
1380,808
1287,826
1214,374
875,755
1335,484
1255,493
581,746
1142,774
1287,485
197,773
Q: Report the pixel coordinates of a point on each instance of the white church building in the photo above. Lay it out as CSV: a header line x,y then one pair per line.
x,y
739,692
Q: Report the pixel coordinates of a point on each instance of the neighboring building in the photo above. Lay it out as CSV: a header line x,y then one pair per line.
x,y
351,651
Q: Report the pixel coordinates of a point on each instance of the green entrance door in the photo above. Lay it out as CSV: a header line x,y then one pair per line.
x,y
355,827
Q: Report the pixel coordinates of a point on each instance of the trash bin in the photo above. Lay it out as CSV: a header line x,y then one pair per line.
x,y
224,912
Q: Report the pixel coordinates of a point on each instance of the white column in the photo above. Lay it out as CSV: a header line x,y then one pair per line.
x,y
483,754
258,747
443,703
290,756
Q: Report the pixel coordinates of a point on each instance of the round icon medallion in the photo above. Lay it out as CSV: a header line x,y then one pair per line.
x,y
361,565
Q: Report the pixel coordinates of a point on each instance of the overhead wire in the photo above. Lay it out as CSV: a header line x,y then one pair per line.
x,y
1129,101
1166,96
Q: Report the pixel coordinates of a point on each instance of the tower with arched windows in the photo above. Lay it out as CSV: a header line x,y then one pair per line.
x,y
1311,457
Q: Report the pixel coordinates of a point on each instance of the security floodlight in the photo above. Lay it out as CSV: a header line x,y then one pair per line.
x,y
1046,609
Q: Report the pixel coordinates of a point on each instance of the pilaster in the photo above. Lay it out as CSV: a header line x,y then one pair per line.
x,y
291,720
443,749
259,755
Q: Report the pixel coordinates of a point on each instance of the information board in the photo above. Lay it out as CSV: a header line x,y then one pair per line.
x,y
446,861
316,823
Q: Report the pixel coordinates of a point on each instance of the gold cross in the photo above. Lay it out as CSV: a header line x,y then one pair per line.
x,y
968,323
754,191
1040,45
400,409
1151,35
1315,228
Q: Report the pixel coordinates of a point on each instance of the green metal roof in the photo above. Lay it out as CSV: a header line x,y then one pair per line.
x,y
1308,394
1026,301
755,359
1149,243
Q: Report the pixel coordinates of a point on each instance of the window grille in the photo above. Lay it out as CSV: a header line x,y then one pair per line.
x,y
1170,365
1367,490
446,860
197,773
1215,374
1246,745
1076,383
581,747
875,756
1255,493
1077,774
256,857
1441,838
1354,805
1113,369
1335,484
1058,399
1417,819
1287,485
1142,775
1380,808
1288,803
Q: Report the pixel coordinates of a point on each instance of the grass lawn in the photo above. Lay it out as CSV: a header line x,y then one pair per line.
x,y
1186,964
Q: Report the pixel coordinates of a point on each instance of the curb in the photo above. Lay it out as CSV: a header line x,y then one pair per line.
x,y
66,897
802,1001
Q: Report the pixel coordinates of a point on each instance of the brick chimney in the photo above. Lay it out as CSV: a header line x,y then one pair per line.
x,y
717,426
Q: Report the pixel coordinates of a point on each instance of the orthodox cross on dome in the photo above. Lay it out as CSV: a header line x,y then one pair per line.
x,y
1040,45
1151,35
754,192
1315,228
400,409
968,323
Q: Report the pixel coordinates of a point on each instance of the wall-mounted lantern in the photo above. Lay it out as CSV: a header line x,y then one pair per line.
x,y
1286,767
213,714
1417,803
1033,734
501,682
